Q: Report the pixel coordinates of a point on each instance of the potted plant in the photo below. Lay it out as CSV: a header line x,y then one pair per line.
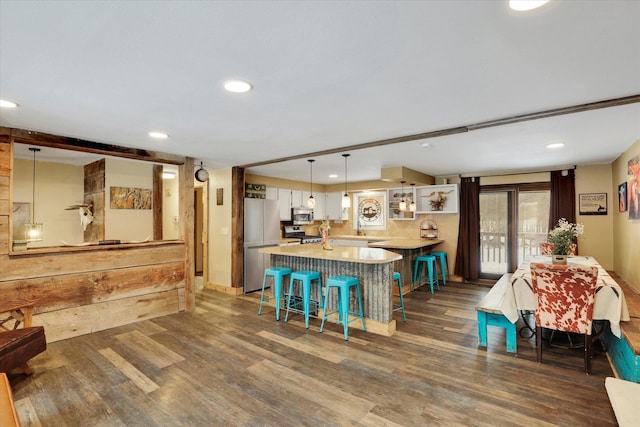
x,y
562,237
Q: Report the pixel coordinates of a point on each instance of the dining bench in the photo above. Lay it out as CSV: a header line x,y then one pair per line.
x,y
490,314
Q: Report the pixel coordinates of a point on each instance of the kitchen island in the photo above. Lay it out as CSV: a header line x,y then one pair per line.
x,y
374,268
409,249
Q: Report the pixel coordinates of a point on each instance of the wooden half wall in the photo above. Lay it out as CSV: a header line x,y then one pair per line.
x,y
79,290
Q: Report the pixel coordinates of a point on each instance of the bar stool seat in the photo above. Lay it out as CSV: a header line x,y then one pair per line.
x,y
277,274
398,279
430,261
444,265
343,284
306,277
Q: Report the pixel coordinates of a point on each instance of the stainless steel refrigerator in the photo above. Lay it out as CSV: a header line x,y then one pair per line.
x,y
261,229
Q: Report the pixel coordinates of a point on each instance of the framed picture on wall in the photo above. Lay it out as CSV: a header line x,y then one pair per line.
x,y
369,211
592,204
622,197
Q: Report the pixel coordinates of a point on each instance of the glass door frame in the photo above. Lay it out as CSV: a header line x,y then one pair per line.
x,y
513,191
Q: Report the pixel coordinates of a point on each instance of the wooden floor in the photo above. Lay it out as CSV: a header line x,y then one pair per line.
x,y
225,365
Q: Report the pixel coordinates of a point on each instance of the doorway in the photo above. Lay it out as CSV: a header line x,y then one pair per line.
x,y
514,220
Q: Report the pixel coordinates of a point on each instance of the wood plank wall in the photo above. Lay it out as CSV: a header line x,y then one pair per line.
x,y
82,290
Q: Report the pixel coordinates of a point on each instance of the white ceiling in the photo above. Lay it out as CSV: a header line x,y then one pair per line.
x,y
327,74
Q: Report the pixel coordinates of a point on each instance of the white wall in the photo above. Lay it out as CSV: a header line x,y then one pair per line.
x,y
220,228
58,186
127,224
170,205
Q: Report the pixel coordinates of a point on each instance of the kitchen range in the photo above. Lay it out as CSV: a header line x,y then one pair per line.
x,y
298,232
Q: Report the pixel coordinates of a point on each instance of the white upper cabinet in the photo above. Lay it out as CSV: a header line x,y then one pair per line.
x,y
437,199
284,199
296,199
271,193
319,210
333,206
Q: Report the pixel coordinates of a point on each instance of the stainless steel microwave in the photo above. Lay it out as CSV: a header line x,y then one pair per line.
x,y
301,216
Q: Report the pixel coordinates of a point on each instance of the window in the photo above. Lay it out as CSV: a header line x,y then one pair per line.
x,y
513,222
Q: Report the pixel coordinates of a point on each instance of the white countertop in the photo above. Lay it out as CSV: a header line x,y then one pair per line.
x,y
405,243
339,253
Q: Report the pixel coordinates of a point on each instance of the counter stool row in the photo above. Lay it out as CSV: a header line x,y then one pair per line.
x,y
431,263
343,285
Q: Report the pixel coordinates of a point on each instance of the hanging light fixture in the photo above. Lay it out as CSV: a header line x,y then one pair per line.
x,y
33,231
311,202
346,201
403,203
412,205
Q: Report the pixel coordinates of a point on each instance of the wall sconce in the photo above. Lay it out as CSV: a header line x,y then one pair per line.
x,y
346,201
311,202
33,231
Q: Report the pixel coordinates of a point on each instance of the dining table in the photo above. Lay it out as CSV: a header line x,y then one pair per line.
x,y
609,303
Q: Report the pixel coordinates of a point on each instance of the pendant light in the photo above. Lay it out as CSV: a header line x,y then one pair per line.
x,y
346,201
33,231
412,205
311,202
403,204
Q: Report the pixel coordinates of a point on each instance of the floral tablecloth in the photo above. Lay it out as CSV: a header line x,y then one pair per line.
x,y
609,304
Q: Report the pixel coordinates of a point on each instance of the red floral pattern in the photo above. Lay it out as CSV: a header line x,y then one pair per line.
x,y
565,295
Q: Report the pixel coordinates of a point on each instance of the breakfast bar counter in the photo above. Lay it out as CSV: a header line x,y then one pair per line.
x,y
409,249
374,268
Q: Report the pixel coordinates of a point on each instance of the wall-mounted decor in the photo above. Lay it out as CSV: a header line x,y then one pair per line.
x,y
219,198
130,198
633,187
369,211
622,197
592,204
255,191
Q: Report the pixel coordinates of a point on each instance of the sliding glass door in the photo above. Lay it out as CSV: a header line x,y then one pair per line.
x,y
513,221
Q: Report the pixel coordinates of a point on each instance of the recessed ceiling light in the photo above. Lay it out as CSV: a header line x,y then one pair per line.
x,y
524,5
158,135
555,145
425,145
333,175
7,104
237,86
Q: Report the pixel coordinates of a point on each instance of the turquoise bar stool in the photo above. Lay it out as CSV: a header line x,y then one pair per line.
x,y
444,265
306,277
430,261
398,279
277,274
343,284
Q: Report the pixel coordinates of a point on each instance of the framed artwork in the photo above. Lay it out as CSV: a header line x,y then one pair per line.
x,y
622,197
633,187
592,204
369,211
130,198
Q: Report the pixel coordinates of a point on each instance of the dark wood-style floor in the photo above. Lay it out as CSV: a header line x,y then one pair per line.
x,y
224,365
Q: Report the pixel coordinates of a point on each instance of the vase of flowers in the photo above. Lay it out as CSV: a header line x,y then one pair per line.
x,y
438,203
562,237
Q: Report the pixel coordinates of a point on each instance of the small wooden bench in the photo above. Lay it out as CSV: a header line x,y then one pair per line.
x,y
489,313
8,414
625,400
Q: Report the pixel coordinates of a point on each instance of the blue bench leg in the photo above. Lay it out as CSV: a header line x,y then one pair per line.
x,y
482,328
494,319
